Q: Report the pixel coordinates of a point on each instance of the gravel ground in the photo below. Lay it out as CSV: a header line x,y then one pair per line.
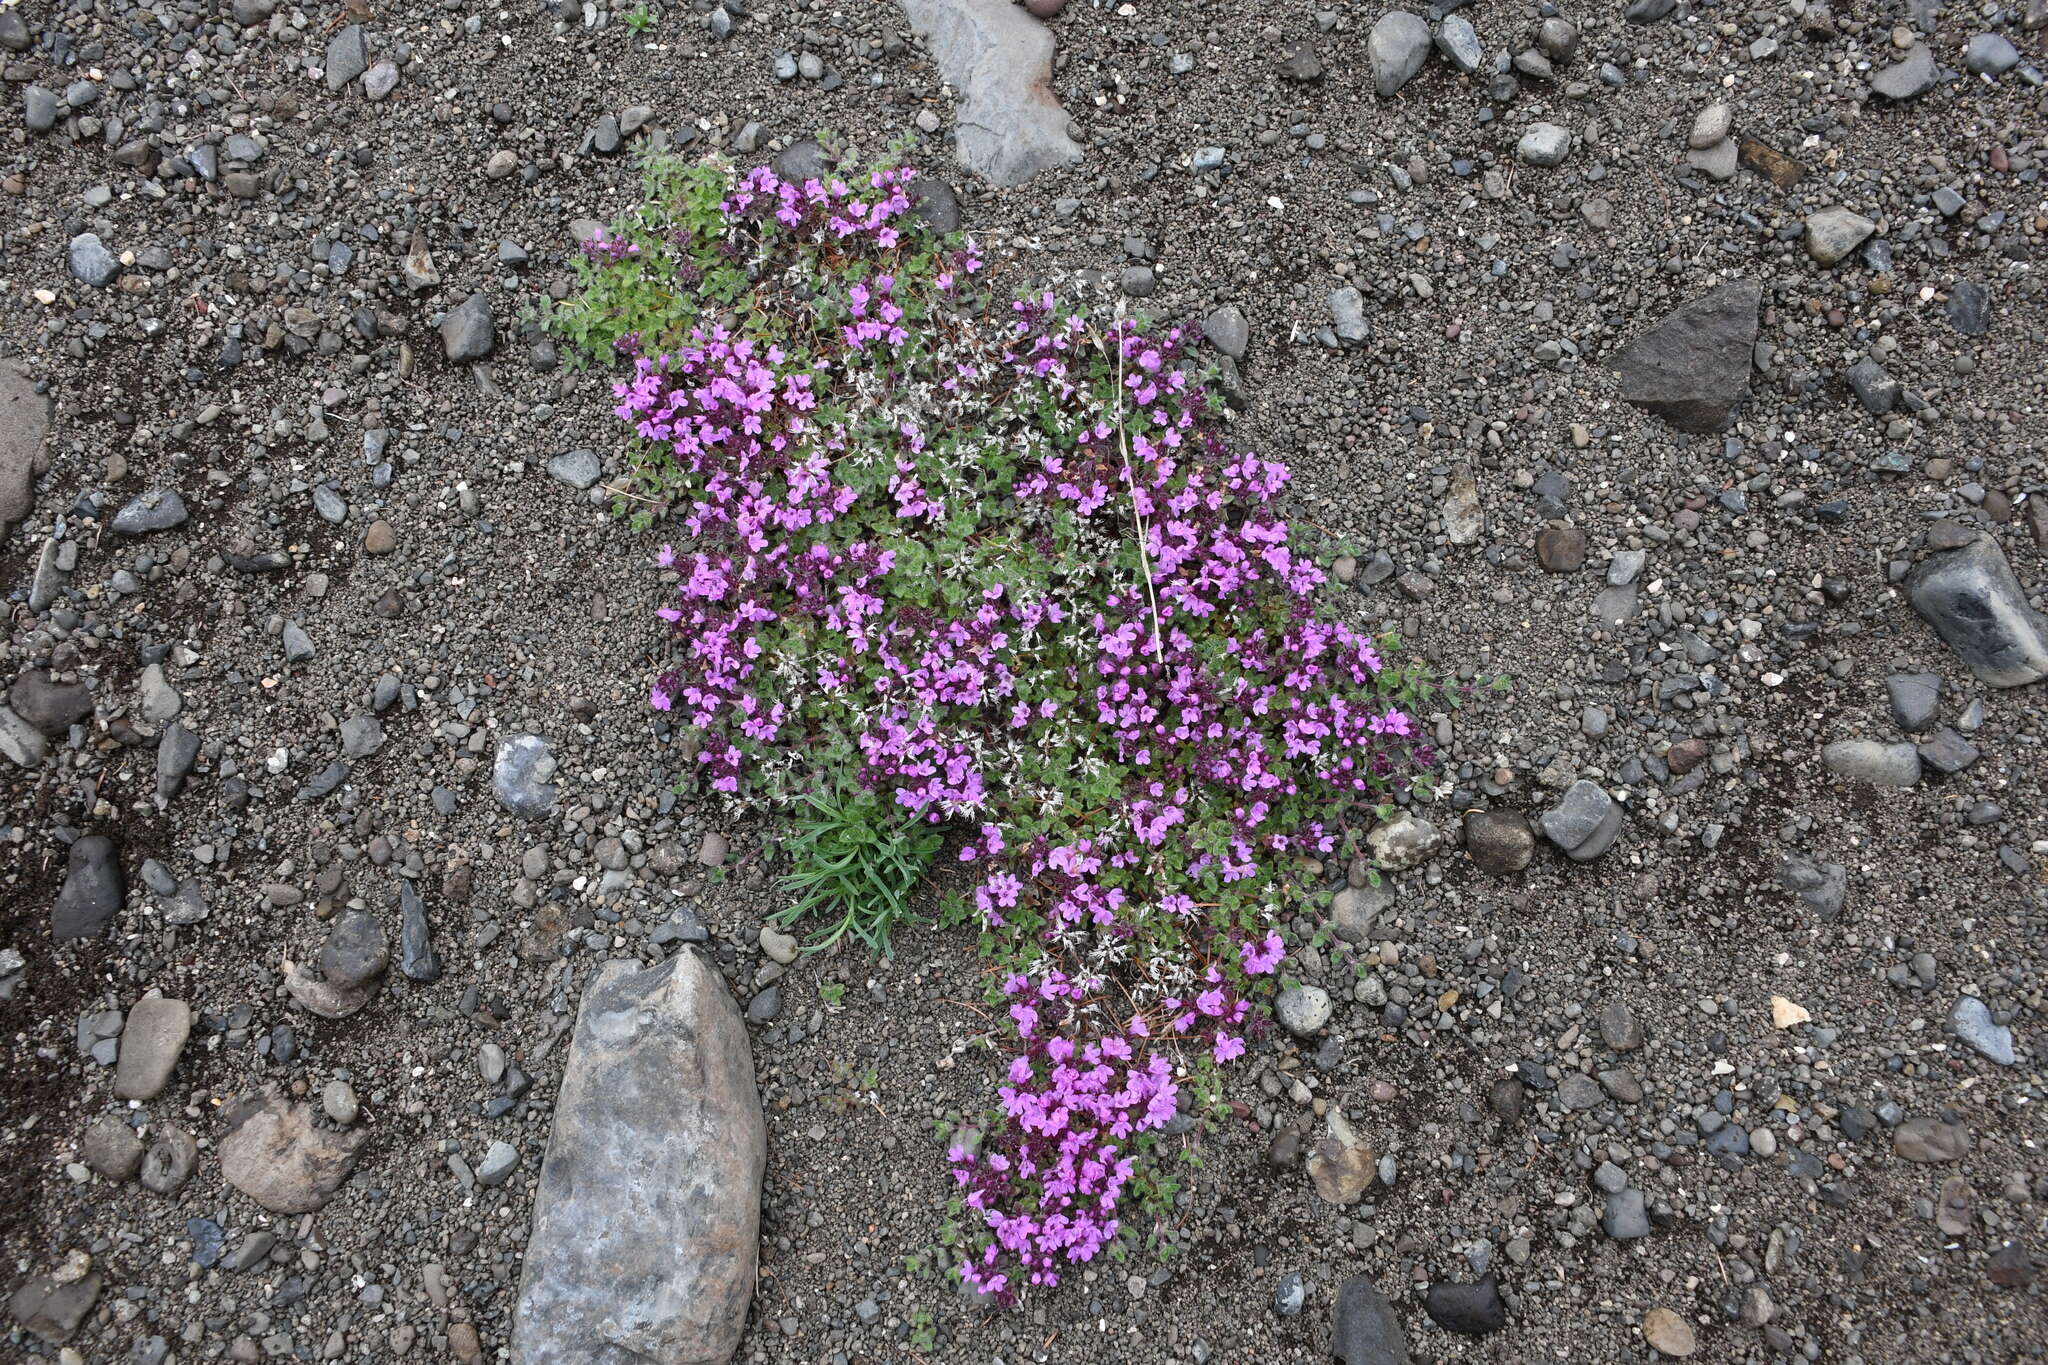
x,y
1656,1079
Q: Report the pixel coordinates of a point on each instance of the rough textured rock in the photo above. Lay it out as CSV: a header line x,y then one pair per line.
x,y
274,1154
647,1215
1341,1166
999,59
468,333
1404,842
345,970
1820,887
1692,368
1974,602
24,423
521,773
1367,1332
1931,1141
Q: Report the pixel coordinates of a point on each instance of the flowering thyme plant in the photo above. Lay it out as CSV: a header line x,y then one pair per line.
x,y
995,566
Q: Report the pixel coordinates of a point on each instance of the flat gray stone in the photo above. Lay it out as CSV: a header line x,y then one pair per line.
x,y
151,1043
1459,43
1228,331
91,262
21,743
157,510
1404,842
1972,1021
24,425
1908,78
1869,760
1692,368
1367,1330
348,56
1303,1010
1973,601
1930,1141
1820,887
94,890
1626,1219
999,59
1990,54
577,468
1501,842
468,333
646,1216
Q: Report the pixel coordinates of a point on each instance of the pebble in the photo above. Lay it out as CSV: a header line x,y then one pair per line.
x,y
1544,144
578,468
1832,233
1303,1010
91,262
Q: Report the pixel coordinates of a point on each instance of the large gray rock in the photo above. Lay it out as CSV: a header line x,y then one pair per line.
x,y
1585,824
1692,368
468,333
1367,1332
1872,761
94,889
348,56
999,59
151,1042
1544,144
24,422
1500,841
277,1156
91,262
1820,887
647,1214
1908,78
1972,600
1399,43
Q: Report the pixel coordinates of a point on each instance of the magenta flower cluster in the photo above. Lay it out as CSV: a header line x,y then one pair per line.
x,y
1048,1186
999,568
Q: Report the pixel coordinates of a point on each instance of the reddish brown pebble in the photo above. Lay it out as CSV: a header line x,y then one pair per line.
x,y
1686,755
1044,9
1561,549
